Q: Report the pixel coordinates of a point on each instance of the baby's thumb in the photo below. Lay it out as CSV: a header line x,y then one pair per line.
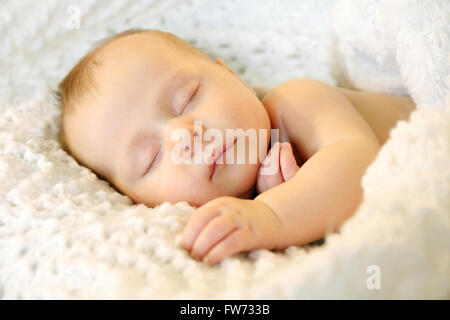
x,y
269,173
288,164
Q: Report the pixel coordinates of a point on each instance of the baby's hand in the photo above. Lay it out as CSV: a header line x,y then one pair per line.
x,y
228,225
281,162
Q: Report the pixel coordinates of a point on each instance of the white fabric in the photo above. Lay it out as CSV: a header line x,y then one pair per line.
x,y
66,234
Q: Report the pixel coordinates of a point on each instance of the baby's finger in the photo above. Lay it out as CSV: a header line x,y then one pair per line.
x,y
216,230
261,184
270,170
239,240
199,219
288,164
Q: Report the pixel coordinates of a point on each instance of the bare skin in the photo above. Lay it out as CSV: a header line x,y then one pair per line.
x,y
381,111
148,88
335,134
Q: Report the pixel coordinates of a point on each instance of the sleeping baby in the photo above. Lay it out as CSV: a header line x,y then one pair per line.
x,y
161,121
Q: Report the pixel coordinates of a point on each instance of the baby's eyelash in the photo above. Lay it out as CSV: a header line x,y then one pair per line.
x,y
188,100
152,162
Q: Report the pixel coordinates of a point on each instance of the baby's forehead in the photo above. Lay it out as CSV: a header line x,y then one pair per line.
x,y
135,60
138,45
132,55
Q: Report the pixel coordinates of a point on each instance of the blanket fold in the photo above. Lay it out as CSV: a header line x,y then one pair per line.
x,y
66,234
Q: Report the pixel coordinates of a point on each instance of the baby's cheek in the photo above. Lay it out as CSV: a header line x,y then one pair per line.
x,y
175,188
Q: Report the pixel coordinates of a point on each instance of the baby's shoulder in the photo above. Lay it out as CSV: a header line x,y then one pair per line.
x,y
312,114
291,91
289,106
295,95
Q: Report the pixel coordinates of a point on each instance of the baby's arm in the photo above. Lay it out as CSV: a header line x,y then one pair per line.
x,y
339,146
323,193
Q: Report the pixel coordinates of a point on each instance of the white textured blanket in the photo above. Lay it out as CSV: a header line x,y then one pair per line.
x,y
66,234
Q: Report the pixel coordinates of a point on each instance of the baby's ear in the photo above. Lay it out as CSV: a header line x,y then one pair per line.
x,y
222,63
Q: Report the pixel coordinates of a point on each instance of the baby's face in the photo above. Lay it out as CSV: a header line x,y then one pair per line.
x,y
147,89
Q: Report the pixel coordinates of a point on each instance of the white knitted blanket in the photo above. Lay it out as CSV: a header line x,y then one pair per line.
x,y
66,234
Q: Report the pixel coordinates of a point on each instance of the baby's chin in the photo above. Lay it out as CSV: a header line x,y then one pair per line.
x,y
198,201
232,180
237,179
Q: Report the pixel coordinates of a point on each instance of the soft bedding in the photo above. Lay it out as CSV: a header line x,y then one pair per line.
x,y
66,234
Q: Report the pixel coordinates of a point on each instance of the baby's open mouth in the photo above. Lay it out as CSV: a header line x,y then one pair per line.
x,y
218,155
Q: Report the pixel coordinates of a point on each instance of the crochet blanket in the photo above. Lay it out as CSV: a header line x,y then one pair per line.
x,y
66,234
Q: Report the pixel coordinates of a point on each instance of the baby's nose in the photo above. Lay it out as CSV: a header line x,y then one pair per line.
x,y
189,149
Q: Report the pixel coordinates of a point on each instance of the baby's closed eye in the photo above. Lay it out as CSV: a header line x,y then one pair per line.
x,y
147,156
183,97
